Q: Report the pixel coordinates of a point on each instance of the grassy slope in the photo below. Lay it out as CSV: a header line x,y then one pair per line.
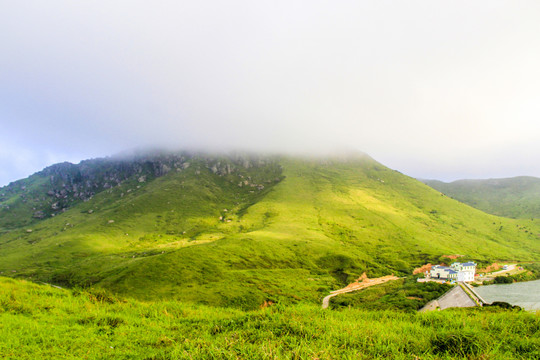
x,y
320,227
21,203
40,322
404,294
517,197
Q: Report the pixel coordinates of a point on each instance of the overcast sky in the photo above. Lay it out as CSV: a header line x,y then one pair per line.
x,y
434,89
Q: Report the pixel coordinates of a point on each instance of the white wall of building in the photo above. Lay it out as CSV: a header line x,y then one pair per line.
x,y
465,276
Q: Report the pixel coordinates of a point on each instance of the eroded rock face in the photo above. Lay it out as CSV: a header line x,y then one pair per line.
x,y
67,184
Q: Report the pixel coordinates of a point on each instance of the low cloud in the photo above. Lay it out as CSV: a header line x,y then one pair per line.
x,y
438,90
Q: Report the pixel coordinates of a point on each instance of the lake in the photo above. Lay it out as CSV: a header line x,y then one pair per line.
x,y
523,294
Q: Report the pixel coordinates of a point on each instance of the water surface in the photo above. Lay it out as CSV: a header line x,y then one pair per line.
x,y
524,294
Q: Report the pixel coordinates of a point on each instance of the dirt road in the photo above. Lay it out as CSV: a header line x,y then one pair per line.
x,y
500,272
326,301
365,283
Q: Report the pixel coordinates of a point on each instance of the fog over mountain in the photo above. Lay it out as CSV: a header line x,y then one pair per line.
x,y
442,90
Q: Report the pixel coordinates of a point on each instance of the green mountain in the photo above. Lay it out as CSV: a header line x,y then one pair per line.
x,y
238,230
517,197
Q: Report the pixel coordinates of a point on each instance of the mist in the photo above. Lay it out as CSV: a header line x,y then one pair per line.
x,y
442,90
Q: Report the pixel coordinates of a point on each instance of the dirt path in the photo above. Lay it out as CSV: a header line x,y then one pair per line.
x,y
358,285
54,286
510,268
326,301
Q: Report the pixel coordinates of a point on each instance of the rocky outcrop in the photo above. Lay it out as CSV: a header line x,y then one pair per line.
x,y
67,184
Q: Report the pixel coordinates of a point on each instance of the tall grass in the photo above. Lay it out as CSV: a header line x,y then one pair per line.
x,y
40,322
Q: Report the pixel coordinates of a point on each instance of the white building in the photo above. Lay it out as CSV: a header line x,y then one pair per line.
x,y
457,271
443,273
465,271
465,276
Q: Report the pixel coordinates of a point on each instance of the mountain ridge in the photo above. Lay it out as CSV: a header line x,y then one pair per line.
x,y
279,229
515,197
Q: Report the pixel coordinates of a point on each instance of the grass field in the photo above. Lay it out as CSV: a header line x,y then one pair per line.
x,y
41,322
299,229
517,197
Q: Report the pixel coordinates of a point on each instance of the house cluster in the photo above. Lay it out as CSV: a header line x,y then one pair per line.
x,y
456,271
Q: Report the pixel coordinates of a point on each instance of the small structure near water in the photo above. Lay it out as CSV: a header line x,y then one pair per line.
x,y
462,295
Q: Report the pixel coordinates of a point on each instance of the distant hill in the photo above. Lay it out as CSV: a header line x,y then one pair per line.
x,y
517,197
238,230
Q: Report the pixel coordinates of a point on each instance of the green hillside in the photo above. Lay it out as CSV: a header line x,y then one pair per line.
x,y
239,231
40,322
517,197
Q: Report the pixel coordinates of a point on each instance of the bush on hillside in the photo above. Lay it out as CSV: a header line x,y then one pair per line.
x,y
503,280
457,343
405,295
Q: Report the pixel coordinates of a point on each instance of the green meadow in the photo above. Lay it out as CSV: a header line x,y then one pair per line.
x,y
517,197
41,322
278,229
205,257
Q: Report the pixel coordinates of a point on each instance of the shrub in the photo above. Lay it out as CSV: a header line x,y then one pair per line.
x,y
462,344
97,295
503,280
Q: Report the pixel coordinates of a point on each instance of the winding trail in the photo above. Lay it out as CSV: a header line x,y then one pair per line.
x,y
54,286
326,301
511,267
365,283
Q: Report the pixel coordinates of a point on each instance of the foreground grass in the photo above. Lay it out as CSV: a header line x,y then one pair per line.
x,y
41,322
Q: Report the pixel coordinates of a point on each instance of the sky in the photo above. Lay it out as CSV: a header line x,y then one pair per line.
x,y
435,89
